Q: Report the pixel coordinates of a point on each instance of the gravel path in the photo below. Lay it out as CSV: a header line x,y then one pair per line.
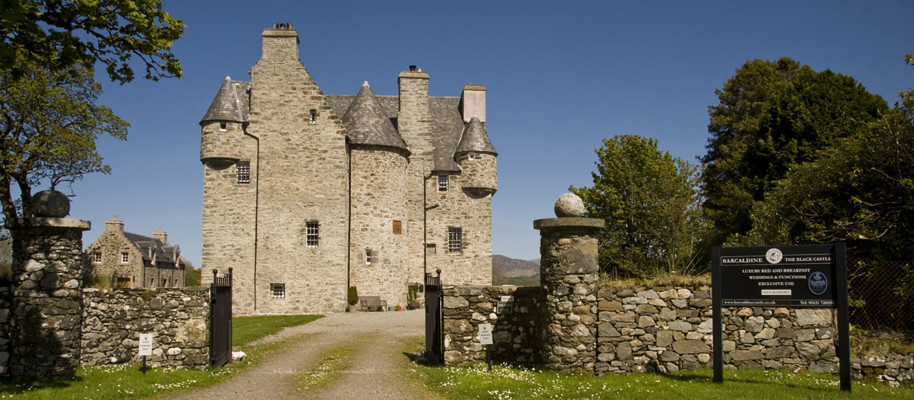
x,y
374,372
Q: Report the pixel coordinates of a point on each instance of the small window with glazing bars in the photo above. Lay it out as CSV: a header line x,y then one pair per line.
x,y
312,234
243,172
454,239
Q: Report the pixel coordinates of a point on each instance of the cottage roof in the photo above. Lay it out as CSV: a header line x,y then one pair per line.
x,y
367,123
230,103
163,253
475,138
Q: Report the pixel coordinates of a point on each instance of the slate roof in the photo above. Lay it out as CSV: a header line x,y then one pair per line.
x,y
162,252
365,120
475,139
231,103
367,123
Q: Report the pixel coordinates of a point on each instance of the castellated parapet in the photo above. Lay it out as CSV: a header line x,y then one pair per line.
x,y
306,193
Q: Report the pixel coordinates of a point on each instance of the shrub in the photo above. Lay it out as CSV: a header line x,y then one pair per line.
x,y
353,296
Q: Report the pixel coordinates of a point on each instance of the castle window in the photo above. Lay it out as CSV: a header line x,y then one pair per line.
x,y
312,234
368,256
223,126
398,227
278,290
313,116
98,258
454,240
442,182
471,156
125,257
243,172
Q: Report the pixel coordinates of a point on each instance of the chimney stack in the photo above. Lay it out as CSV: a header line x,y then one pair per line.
x,y
161,236
114,226
473,102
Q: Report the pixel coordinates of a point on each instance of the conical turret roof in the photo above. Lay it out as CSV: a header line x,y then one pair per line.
x,y
227,105
367,123
475,139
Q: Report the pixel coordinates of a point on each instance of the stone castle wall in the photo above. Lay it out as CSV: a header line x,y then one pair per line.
x,y
456,208
378,183
178,319
229,227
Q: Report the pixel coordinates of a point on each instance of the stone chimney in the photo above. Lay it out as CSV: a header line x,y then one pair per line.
x,y
161,236
114,226
414,118
473,102
280,43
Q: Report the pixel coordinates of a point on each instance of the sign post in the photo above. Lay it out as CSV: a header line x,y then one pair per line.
x,y
145,348
485,339
803,276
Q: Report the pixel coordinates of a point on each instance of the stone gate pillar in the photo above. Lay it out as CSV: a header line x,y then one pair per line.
x,y
45,321
570,278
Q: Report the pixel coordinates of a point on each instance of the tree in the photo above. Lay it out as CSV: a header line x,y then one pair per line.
x,y
48,125
771,116
191,275
861,189
65,33
650,204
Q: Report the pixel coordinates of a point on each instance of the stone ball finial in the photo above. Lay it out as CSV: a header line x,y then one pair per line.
x,y
50,204
569,205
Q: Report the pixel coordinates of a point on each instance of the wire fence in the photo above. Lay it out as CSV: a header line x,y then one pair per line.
x,y
881,294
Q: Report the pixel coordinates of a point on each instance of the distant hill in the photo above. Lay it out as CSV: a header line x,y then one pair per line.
x,y
511,271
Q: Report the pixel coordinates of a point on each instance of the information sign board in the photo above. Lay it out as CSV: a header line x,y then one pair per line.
x,y
145,344
787,276
505,305
485,334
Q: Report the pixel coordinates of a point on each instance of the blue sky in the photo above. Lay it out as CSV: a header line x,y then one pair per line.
x,y
560,77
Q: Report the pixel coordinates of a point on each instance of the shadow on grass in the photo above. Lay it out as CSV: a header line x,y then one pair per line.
x,y
22,385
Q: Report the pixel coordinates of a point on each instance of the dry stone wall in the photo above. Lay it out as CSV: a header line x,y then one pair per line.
x,y
5,348
513,313
178,319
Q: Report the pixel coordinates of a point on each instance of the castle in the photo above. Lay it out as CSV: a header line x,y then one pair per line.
x,y
306,194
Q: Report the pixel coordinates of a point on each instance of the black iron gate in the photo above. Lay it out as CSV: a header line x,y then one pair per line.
x,y
221,320
434,335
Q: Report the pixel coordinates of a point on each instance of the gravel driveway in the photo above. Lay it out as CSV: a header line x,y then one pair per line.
x,y
375,370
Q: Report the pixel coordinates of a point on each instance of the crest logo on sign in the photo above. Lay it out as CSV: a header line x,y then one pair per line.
x,y
774,256
818,283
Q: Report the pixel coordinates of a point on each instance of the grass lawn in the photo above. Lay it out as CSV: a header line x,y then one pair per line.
x,y
128,382
506,382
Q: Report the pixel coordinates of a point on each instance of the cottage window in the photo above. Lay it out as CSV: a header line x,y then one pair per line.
x,y
312,234
442,182
278,290
125,257
98,257
243,172
454,240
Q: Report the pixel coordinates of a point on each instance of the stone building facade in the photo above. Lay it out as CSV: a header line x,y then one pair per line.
x,y
306,194
136,261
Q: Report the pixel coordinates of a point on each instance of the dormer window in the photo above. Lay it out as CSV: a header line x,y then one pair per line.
x,y
313,116
223,126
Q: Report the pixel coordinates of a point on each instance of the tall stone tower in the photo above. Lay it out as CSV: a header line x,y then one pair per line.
x,y
305,193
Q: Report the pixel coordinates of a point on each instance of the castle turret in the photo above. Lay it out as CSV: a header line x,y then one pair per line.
x,y
477,159
223,125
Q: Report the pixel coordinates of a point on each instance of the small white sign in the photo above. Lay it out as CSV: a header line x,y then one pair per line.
x,y
145,344
485,334
776,292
